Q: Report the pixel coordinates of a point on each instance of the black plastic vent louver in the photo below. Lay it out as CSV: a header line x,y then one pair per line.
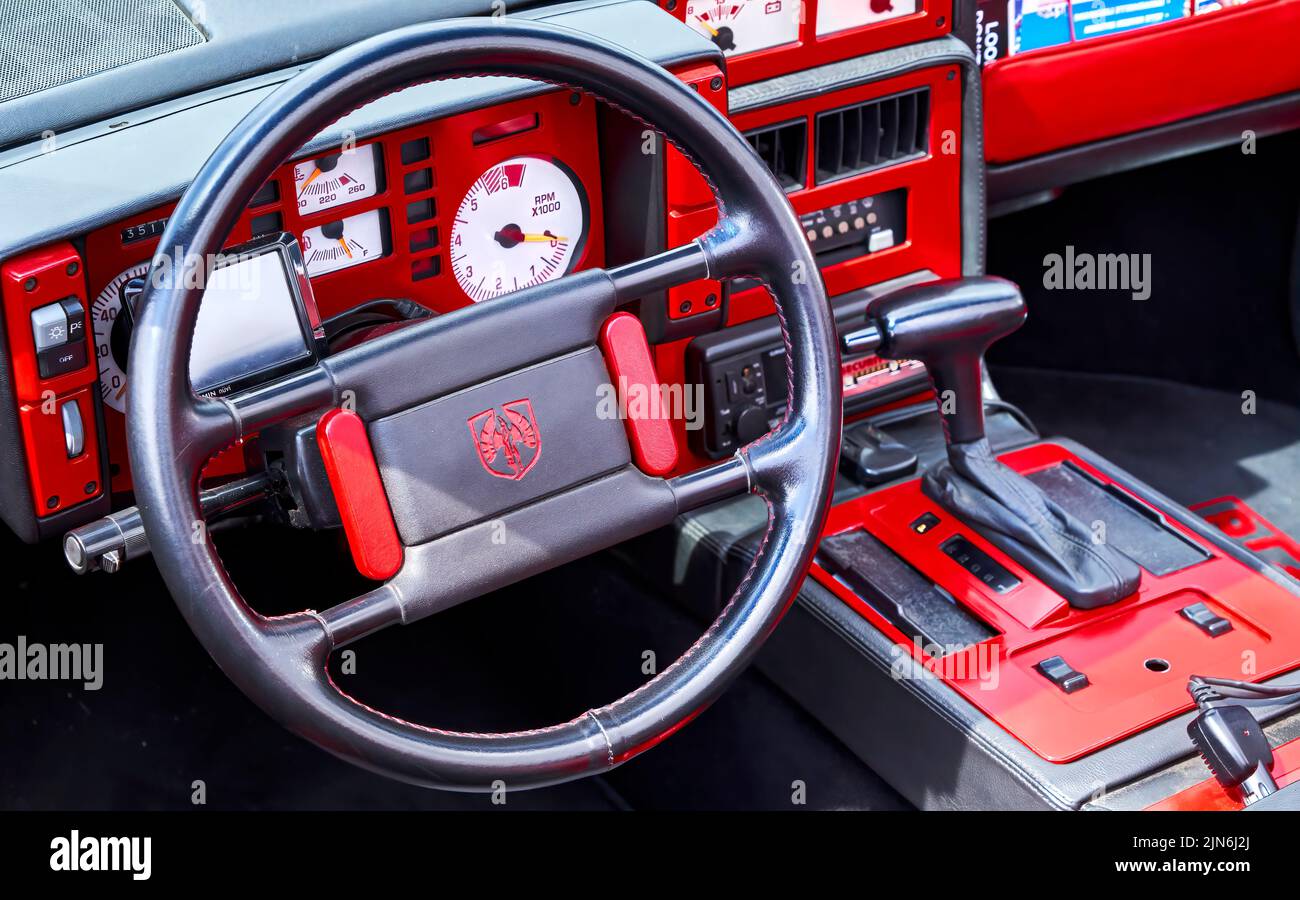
x,y
873,134
785,150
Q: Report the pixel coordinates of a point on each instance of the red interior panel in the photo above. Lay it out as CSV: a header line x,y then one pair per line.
x,y
1044,100
1110,645
1210,795
932,182
564,130
29,282
1241,523
932,18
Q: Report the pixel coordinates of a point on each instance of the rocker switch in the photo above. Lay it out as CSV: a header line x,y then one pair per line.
x,y
1204,618
49,327
1062,674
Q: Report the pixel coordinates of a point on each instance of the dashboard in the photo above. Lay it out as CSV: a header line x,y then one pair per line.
x,y
876,116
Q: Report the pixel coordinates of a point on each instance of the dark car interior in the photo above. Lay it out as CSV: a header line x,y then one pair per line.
x,y
841,405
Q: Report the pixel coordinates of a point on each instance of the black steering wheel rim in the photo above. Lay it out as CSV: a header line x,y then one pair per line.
x,y
280,662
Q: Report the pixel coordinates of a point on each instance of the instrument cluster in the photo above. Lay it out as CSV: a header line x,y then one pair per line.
x,y
446,213
766,38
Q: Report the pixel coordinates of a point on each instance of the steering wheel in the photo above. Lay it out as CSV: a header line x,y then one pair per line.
x,y
538,341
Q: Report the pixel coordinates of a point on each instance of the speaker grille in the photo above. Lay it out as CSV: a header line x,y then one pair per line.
x,y
46,43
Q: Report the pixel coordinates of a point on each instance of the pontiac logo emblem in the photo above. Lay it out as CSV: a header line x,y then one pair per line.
x,y
507,439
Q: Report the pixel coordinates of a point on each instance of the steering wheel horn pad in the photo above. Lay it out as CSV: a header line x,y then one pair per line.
x,y
280,662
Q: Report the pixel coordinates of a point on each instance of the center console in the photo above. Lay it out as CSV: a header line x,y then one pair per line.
x,y
997,620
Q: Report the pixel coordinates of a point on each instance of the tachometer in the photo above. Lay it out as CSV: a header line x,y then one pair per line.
x,y
743,26
113,333
523,222
338,178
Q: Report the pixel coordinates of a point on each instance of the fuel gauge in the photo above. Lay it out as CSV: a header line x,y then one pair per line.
x,y
346,243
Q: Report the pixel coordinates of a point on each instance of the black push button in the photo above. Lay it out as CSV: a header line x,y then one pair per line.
x,y
1204,618
1062,674
61,360
979,564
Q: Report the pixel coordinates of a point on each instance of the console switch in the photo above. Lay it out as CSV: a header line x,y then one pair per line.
x,y
49,326
1205,619
76,316
979,564
1062,674
62,359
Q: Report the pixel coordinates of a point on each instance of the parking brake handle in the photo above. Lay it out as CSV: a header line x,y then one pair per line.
x,y
947,325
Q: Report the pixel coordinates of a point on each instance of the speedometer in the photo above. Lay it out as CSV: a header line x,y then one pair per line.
x,y
523,222
113,333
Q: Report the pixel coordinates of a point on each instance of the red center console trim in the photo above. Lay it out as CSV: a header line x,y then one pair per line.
x,y
1111,645
1241,523
359,493
1210,795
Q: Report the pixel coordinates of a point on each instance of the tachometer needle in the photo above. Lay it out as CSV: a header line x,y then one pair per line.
x,y
310,178
513,235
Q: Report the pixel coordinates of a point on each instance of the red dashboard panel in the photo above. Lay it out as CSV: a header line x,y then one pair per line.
x,y
59,477
897,22
1052,98
427,170
932,183
1111,644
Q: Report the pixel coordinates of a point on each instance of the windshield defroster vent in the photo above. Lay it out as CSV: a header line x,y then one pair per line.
x,y
47,43
785,150
870,135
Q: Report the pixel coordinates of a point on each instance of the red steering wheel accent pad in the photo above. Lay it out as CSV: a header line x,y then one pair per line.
x,y
627,353
359,492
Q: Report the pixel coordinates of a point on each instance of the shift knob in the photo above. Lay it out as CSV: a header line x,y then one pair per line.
x,y
947,325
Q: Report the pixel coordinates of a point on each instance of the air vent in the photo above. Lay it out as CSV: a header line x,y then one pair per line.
x,y
785,150
871,135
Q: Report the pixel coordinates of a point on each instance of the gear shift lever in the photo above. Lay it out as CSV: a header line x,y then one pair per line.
x,y
948,325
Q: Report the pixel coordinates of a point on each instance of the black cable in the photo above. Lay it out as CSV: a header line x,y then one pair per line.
x,y
1206,690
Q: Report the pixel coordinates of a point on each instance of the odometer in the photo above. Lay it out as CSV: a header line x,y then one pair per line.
x,y
522,222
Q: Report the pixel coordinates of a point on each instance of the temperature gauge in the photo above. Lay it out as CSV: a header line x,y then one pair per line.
x,y
345,243
338,178
743,26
